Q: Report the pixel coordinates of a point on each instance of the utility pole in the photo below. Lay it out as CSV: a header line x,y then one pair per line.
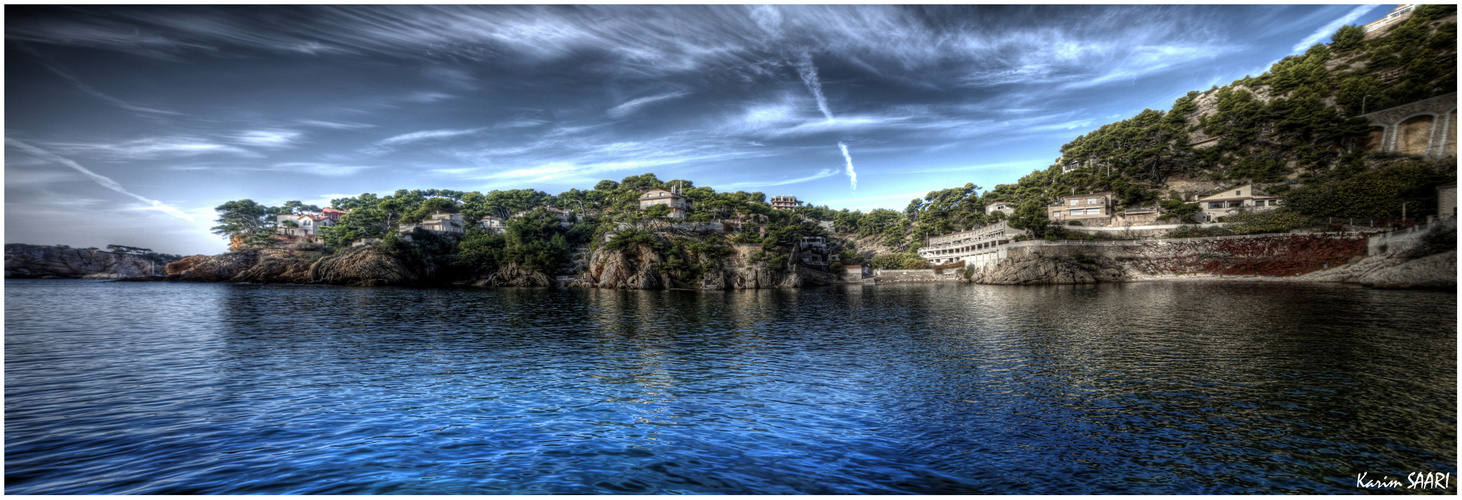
x,y
1363,104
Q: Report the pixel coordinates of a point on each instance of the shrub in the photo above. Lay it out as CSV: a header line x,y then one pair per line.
x,y
1272,221
900,261
1198,232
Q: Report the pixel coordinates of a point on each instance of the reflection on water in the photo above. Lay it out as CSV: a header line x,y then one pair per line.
x,y
1130,388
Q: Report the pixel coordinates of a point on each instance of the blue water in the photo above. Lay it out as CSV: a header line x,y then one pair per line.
x,y
157,388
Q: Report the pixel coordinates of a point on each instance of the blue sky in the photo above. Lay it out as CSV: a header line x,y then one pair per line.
x,y
127,125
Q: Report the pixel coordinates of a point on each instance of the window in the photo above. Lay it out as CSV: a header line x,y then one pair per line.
x,y
1232,204
1076,211
1239,193
1091,201
1093,211
1216,204
1075,202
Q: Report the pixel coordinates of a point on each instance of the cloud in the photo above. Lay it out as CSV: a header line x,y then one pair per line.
x,y
1329,29
98,94
149,148
335,125
746,184
98,178
322,169
268,138
852,176
629,107
424,135
425,97
809,78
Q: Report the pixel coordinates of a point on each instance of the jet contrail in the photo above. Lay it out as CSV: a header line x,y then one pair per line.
x,y
98,178
809,77
851,174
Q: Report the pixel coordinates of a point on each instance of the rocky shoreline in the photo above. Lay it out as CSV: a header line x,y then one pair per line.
x,y
1424,261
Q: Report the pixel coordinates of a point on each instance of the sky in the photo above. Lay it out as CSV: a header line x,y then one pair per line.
x,y
128,124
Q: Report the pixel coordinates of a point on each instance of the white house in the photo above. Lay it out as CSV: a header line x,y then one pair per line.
x,y
1232,200
441,222
305,225
1000,206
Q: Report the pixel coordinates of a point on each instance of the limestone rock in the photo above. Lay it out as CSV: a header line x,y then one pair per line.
x,y
363,266
1050,269
37,261
223,267
637,267
280,266
512,275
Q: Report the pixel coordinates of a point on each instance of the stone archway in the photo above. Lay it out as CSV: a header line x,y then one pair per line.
x,y
1413,135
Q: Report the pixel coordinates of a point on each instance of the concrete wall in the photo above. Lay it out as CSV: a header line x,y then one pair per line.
x,y
1405,238
915,275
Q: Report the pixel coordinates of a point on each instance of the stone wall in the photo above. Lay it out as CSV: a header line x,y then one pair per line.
x,y
1426,127
915,275
1258,254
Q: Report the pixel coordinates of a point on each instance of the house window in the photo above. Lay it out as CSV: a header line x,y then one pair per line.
x,y
1232,204
1239,192
1091,201
1075,202
1216,204
1076,211
1093,211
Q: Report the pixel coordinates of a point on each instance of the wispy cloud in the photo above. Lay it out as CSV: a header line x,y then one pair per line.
x,y
809,78
1329,29
322,169
268,138
149,148
749,184
630,106
852,176
428,97
425,135
335,125
82,86
104,181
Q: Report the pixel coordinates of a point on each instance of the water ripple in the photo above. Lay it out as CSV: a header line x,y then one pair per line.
x,y
1213,388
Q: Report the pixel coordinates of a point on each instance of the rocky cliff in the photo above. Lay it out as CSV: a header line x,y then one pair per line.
x,y
1053,268
640,267
48,261
366,266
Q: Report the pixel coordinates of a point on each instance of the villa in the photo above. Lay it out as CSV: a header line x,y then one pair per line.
x,y
302,225
1008,208
784,202
441,222
1230,201
1089,209
671,198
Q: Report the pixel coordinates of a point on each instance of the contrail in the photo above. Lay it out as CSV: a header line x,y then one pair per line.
x,y
98,178
851,174
809,77
97,94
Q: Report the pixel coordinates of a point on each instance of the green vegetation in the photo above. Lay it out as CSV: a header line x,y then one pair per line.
x,y
910,260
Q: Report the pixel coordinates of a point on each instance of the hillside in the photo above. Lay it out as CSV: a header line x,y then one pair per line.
x,y
1295,131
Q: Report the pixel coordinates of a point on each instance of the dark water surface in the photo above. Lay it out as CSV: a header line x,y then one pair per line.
x,y
1129,388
